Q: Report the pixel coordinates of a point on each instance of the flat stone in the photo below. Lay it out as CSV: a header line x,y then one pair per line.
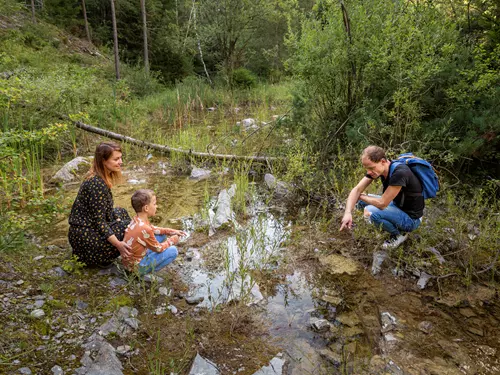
x,y
338,264
38,313
164,291
202,366
153,279
20,282
349,319
117,282
60,272
40,257
57,370
193,300
80,305
320,325
25,371
275,367
39,303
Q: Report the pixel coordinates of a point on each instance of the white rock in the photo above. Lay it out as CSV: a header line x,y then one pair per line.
x,y
68,171
38,258
199,174
57,370
38,313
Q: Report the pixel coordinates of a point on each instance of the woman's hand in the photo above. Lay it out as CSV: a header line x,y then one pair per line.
x,y
124,249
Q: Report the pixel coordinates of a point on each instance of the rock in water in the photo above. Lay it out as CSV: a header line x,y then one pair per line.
x,y
338,264
424,279
202,366
67,172
199,174
275,367
378,258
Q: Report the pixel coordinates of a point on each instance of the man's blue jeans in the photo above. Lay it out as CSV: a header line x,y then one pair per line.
x,y
156,261
392,219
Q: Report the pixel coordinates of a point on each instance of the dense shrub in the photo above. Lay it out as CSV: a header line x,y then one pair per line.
x,y
396,74
243,78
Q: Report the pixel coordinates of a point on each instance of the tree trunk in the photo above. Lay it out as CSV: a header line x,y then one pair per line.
x,y
167,149
87,31
33,18
115,40
145,36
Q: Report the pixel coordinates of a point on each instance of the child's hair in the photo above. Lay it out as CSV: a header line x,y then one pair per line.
x,y
141,198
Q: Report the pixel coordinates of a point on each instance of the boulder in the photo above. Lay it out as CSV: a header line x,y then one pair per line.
x,y
202,366
99,358
199,174
68,172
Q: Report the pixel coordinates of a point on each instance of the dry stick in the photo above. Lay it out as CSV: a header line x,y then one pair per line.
x,y
167,149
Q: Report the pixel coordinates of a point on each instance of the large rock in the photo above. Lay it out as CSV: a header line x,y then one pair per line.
x,y
338,264
275,367
249,124
202,366
199,174
223,213
68,172
280,188
99,358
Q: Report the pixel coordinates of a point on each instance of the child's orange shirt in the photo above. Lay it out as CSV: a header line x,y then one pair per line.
x,y
140,235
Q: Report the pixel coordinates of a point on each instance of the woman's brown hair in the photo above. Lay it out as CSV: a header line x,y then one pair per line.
x,y
102,153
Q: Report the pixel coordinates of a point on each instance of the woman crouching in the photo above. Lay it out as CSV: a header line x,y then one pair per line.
x,y
96,229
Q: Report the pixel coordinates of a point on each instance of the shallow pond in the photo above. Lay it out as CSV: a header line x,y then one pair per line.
x,y
233,266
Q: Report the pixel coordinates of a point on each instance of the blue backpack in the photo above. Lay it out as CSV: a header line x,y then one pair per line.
x,y
420,168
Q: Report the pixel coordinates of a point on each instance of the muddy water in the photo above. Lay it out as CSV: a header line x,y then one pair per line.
x,y
428,332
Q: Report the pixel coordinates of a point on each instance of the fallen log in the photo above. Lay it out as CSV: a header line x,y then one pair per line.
x,y
167,149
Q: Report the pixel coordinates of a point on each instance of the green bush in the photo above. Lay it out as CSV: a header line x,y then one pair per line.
x,y
243,78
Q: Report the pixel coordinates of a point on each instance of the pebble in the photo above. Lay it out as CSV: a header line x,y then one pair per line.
x,y
193,300
20,282
39,303
172,309
57,370
25,371
123,349
40,257
425,327
164,291
38,313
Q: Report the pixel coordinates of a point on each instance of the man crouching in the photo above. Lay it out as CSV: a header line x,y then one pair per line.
x,y
400,208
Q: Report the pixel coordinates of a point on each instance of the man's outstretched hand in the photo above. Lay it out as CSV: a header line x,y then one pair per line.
x,y
346,222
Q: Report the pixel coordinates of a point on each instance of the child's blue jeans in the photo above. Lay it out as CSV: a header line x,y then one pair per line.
x,y
153,261
392,219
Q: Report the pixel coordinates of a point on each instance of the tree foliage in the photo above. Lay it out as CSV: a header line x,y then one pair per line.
x,y
395,73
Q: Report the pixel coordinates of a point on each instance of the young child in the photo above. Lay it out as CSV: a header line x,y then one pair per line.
x,y
151,250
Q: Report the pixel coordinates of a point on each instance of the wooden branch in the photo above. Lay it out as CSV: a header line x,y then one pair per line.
x,y
167,149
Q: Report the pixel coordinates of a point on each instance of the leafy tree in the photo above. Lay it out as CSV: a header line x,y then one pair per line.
x,y
392,73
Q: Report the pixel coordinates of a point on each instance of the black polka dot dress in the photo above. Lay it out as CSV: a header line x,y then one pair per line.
x,y
93,220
